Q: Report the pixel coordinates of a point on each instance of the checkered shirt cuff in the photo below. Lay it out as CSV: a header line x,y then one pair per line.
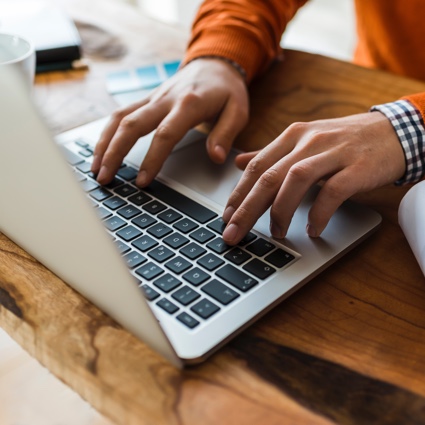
x,y
409,126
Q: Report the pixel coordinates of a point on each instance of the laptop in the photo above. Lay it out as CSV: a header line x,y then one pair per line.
x,y
154,259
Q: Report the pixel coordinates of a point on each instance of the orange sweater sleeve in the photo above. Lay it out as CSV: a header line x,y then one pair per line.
x,y
418,101
247,32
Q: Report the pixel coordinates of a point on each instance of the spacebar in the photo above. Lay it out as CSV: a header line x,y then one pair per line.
x,y
180,202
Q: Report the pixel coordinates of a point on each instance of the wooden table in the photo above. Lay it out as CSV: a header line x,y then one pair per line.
x,y
348,348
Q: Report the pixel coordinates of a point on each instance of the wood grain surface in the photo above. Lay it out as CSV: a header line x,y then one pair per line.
x,y
348,348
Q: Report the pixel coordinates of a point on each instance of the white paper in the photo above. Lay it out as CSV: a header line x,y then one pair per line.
x,y
411,216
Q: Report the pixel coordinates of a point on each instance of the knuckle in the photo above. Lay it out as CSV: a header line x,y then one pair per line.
x,y
118,115
254,166
297,127
242,215
128,123
190,100
269,179
335,190
163,133
300,171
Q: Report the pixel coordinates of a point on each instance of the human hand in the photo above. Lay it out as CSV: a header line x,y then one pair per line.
x,y
352,154
204,90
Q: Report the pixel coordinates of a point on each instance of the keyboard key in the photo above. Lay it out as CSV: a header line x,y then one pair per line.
x,y
169,216
103,213
129,233
168,306
219,246
144,243
220,292
80,177
139,198
202,235
149,271
217,225
122,247
134,259
180,202
196,276
193,251
127,173
176,240
100,194
167,282
249,237
81,143
279,258
178,265
161,254
85,152
187,320
70,157
89,185
259,268
210,262
125,190
185,225
84,167
128,212
149,293
185,295
237,256
154,207
144,221
114,223
114,183
236,278
205,308
114,203
260,247
159,230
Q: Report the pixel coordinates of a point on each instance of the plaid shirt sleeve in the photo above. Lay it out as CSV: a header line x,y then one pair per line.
x,y
409,126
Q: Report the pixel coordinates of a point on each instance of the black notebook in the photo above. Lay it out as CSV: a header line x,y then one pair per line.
x,y
56,39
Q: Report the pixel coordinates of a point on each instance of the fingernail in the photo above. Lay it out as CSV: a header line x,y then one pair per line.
x,y
311,231
220,153
141,178
228,213
103,174
231,232
275,230
95,164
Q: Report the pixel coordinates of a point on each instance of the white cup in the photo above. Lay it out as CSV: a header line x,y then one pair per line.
x,y
19,53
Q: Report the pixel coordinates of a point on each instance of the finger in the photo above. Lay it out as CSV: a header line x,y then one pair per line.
x,y
265,159
254,204
131,128
109,131
169,132
300,176
334,192
243,159
231,121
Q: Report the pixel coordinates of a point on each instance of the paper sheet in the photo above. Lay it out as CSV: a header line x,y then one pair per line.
x,y
411,216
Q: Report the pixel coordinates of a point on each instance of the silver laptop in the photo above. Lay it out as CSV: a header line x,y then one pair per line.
x,y
154,260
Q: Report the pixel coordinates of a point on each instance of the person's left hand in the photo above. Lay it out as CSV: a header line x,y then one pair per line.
x,y
352,154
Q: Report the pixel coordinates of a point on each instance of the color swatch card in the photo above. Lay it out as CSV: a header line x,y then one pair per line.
x,y
141,78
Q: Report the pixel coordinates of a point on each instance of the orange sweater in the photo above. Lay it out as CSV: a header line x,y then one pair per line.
x,y
391,35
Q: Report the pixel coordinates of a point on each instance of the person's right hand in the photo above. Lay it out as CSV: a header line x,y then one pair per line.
x,y
205,90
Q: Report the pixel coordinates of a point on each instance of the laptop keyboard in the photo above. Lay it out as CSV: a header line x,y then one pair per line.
x,y
173,245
